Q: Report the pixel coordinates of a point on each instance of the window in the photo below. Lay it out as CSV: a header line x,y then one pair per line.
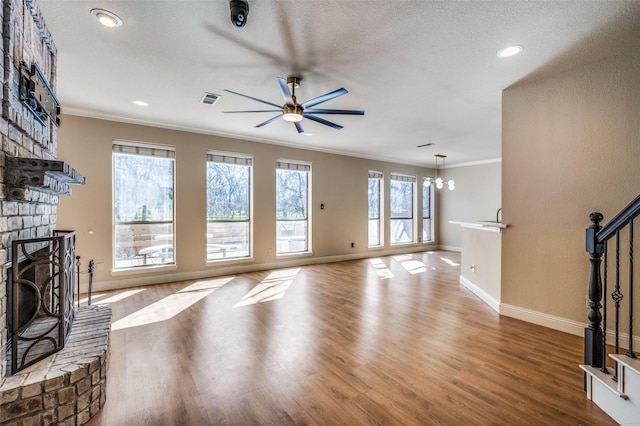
x,y
375,202
426,210
292,207
402,190
143,183
228,206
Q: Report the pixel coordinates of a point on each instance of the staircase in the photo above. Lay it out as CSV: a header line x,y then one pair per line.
x,y
621,399
615,387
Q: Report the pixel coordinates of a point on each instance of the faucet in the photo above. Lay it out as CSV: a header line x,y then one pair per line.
x,y
498,216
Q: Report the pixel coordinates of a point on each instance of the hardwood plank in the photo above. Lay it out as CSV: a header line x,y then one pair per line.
x,y
345,344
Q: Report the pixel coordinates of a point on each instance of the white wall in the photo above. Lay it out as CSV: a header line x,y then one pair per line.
x,y
477,197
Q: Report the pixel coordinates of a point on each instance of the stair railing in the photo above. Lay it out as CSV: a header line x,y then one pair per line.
x,y
597,245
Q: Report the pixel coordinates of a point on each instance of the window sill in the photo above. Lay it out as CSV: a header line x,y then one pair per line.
x,y
144,269
296,254
234,260
378,247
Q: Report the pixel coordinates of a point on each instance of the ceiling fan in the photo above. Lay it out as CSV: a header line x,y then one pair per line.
x,y
293,111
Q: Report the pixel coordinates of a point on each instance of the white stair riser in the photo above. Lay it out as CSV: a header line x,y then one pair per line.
x,y
625,412
621,399
630,381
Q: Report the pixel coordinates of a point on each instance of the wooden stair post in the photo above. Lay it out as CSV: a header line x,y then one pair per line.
x,y
593,332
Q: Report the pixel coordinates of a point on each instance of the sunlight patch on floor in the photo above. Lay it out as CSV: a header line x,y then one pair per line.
x,y
171,305
381,269
414,266
402,257
449,261
117,297
273,287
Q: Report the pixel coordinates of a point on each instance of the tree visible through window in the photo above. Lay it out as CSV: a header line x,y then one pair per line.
x,y
374,195
426,210
401,193
143,205
228,206
292,206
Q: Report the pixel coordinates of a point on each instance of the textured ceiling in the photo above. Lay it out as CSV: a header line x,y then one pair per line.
x,y
424,72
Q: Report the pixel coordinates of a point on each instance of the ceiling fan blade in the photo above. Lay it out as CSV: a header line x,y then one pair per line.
x,y
260,110
286,93
252,98
336,111
299,126
264,123
324,98
323,121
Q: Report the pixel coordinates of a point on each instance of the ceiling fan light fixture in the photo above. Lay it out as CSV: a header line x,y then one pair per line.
x,y
292,117
292,114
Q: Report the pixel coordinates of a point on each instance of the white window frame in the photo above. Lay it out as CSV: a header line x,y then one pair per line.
x,y
374,174
427,185
154,252
294,240
397,177
221,250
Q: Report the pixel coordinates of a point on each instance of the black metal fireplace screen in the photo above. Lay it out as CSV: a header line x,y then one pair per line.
x,y
41,287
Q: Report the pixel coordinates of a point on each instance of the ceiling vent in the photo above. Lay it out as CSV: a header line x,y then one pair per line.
x,y
209,98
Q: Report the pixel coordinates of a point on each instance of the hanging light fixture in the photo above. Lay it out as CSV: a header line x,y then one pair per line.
x,y
439,181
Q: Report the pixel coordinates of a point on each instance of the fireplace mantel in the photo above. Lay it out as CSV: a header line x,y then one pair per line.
x,y
48,176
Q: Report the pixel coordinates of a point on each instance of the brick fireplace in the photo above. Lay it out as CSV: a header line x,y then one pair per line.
x,y
24,41
69,387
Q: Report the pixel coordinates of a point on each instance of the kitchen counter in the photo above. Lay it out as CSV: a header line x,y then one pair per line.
x,y
484,225
480,260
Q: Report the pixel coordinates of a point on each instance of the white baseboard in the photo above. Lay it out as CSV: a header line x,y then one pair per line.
x,y
561,324
486,297
141,279
543,319
450,248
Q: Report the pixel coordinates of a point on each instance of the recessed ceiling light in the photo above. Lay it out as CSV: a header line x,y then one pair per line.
x,y
307,134
509,51
141,103
106,18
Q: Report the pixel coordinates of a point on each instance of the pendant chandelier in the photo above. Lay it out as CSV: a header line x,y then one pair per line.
x,y
439,180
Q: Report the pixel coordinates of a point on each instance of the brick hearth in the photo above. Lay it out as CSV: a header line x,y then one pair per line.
x,y
67,388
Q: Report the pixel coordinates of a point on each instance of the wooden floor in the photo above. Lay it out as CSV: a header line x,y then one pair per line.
x,y
389,341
